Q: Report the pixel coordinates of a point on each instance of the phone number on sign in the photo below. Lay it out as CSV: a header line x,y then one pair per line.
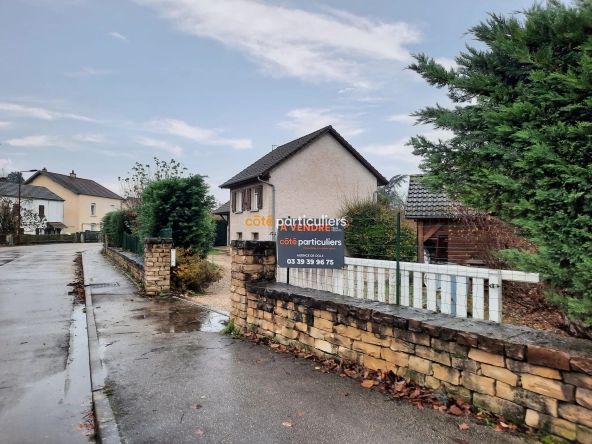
x,y
310,261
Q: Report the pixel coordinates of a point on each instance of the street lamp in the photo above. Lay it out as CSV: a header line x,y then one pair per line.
x,y
19,205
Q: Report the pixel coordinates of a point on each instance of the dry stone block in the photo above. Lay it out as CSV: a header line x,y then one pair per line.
x,y
486,357
325,346
404,372
479,384
413,337
527,398
371,338
548,357
367,349
548,387
583,365
398,358
289,333
336,339
575,413
432,355
378,364
432,383
349,355
349,332
459,392
467,365
306,339
420,365
450,347
557,426
316,333
499,373
446,374
583,434
406,347
525,367
578,379
584,397
500,406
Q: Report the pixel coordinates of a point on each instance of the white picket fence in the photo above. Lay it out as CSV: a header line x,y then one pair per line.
x,y
451,289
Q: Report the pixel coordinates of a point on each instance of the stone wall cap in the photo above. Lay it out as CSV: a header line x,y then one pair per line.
x,y
511,334
158,240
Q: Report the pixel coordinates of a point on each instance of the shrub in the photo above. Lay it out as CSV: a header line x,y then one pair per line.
x,y
193,273
371,231
183,204
114,227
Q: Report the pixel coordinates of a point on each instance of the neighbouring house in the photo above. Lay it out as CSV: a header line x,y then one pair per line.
x,y
85,201
441,236
37,201
222,213
312,176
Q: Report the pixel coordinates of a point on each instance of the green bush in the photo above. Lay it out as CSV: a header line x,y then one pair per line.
x,y
114,227
192,272
522,133
183,204
371,232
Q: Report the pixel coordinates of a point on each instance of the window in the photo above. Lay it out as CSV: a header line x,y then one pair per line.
x,y
239,201
93,209
112,208
256,197
239,236
255,236
41,211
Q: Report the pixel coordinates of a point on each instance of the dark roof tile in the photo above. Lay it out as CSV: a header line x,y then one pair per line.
x,y
9,189
77,185
423,204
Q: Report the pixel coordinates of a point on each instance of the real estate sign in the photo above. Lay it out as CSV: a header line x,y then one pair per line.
x,y
310,242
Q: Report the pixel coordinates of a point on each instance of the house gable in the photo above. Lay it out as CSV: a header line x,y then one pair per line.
x,y
263,166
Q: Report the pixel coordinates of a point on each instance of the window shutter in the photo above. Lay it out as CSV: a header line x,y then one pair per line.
x,y
233,199
260,198
244,200
249,192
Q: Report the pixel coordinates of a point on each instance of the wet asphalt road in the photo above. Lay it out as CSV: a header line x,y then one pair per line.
x,y
173,382
44,374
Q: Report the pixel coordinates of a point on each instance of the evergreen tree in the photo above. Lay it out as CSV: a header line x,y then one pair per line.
x,y
522,145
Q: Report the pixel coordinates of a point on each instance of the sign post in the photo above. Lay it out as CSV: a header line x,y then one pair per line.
x,y
307,242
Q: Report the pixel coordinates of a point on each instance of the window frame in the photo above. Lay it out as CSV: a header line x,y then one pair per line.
x,y
41,211
93,209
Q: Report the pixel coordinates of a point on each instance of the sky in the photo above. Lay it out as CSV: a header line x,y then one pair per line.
x,y
97,85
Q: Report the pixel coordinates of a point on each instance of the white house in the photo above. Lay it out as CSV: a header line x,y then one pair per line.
x,y
311,176
38,200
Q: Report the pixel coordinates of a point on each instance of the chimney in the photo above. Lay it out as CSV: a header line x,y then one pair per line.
x,y
44,169
72,174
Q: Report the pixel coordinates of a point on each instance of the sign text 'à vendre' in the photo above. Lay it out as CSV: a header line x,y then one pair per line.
x,y
311,242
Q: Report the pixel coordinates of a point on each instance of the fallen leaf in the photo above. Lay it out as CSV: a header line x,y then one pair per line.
x,y
260,361
497,429
463,426
196,406
343,375
504,425
199,432
203,397
454,410
287,424
274,345
300,413
345,394
415,394
317,368
367,383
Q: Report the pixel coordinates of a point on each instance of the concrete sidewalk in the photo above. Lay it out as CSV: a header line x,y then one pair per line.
x,y
174,379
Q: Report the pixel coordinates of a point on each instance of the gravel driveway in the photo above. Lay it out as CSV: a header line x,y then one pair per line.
x,y
218,294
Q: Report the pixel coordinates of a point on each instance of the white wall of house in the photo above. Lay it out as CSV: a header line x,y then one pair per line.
x,y
53,209
316,181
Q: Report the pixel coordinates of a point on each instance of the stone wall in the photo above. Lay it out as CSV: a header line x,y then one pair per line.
x,y
130,262
251,262
153,271
526,375
157,265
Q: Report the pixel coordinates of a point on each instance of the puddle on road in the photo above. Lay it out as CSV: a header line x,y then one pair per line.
x,y
171,316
